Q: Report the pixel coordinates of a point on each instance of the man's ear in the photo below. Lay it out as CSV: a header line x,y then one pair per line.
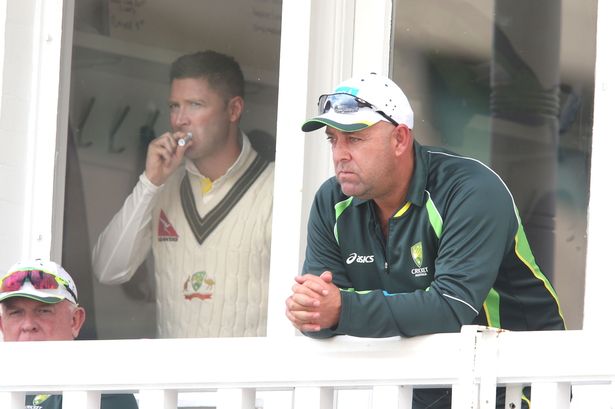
x,y
235,107
403,139
78,320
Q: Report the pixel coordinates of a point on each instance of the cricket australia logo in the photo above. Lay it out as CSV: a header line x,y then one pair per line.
x,y
416,251
200,286
39,399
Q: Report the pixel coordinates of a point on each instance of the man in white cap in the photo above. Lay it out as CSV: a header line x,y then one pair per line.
x,y
38,302
407,239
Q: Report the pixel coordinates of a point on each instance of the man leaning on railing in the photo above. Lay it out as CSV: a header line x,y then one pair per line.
x,y
38,302
408,239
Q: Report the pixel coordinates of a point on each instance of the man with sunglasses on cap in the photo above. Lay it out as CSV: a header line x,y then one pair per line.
x,y
38,302
408,239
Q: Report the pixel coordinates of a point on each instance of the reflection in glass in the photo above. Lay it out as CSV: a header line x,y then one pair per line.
x,y
119,91
511,84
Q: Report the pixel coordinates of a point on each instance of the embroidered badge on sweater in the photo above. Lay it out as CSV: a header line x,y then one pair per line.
x,y
200,286
166,231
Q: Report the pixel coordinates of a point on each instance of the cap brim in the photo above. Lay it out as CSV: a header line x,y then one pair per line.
x,y
343,122
36,296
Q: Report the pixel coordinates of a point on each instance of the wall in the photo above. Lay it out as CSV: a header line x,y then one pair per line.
x,y
15,100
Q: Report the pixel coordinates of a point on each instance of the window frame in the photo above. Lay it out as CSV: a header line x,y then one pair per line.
x,y
302,161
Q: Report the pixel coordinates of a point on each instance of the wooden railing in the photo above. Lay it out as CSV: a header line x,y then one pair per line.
x,y
313,372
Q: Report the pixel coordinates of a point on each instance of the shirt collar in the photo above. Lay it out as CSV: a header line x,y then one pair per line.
x,y
418,183
246,150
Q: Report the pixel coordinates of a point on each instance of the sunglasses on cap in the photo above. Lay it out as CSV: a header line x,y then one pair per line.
x,y
343,103
40,280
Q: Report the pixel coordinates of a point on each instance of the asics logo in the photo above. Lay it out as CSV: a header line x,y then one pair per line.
x,y
359,259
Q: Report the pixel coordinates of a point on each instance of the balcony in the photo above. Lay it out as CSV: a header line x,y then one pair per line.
x,y
301,373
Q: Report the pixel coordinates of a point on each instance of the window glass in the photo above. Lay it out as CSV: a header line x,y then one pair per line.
x,y
511,84
122,51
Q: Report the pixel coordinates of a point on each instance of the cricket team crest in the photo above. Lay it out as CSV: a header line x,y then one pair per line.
x,y
417,253
199,285
416,250
39,399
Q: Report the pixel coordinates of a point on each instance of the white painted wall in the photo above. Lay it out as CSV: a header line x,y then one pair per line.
x,y
33,112
599,276
3,6
600,279
15,102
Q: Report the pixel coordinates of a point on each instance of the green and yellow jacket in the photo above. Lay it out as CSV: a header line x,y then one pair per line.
x,y
456,254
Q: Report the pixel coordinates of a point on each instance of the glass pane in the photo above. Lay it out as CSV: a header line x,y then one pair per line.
x,y
120,90
511,84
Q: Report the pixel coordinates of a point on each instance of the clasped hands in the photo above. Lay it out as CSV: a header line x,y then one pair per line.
x,y
315,303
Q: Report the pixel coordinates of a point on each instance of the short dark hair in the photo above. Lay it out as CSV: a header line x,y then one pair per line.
x,y
221,71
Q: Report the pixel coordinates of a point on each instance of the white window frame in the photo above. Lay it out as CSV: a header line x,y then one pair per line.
x,y
599,278
35,38
322,43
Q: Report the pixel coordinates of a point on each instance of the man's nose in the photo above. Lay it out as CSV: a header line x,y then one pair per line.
x,y
180,118
29,323
340,152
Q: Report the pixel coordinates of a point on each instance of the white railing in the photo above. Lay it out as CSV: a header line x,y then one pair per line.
x,y
312,372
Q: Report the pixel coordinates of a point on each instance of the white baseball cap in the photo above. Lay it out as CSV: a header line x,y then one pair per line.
x,y
361,102
40,280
